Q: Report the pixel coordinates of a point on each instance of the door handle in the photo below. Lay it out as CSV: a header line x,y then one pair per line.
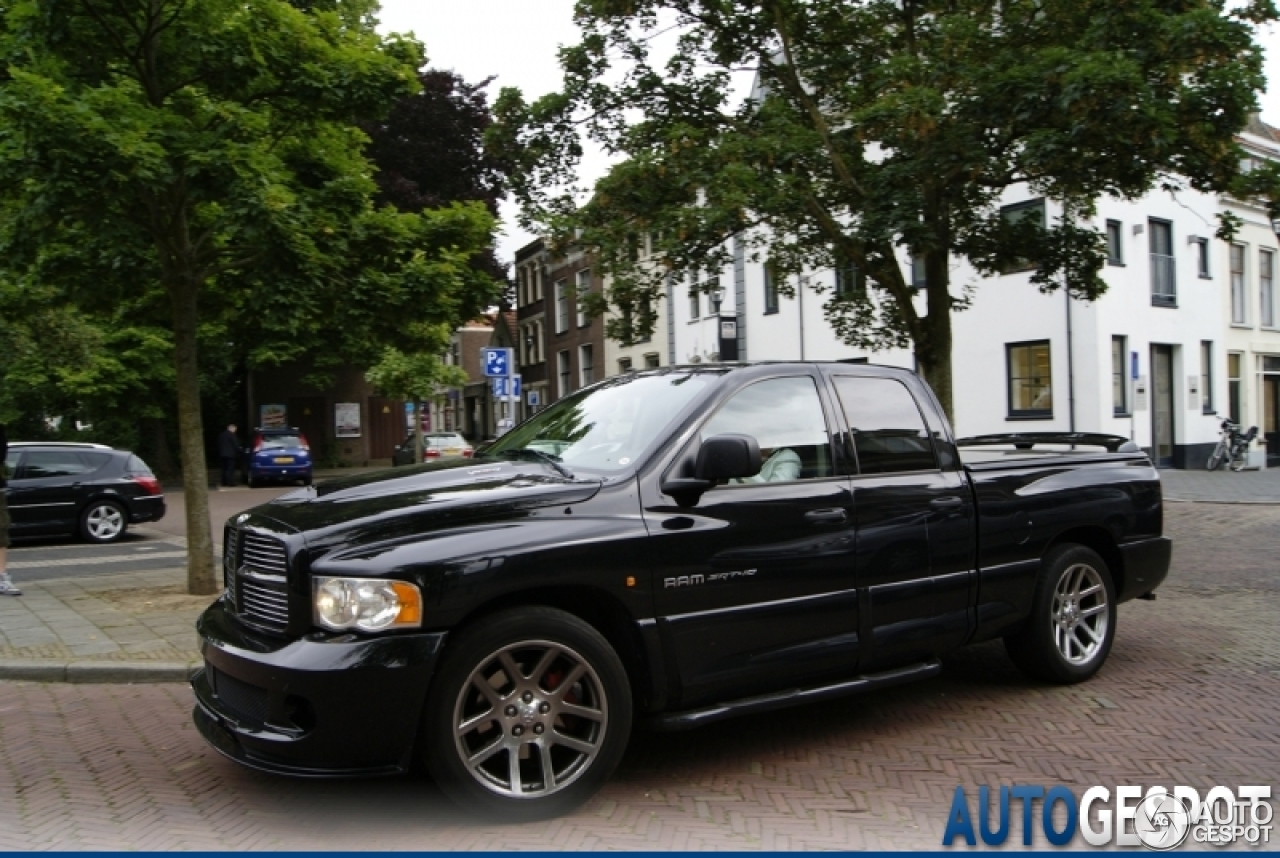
x,y
826,516
949,502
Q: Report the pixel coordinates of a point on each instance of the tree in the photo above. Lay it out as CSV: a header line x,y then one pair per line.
x,y
205,153
418,377
429,151
879,129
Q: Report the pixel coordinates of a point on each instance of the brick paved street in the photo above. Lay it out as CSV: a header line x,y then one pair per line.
x,y
1188,697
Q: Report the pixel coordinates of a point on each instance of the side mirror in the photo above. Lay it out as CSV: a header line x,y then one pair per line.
x,y
728,456
721,457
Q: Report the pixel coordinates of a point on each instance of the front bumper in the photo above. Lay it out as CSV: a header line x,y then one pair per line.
x,y
325,705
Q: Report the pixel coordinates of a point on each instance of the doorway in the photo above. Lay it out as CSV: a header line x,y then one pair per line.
x,y
1162,428
1271,409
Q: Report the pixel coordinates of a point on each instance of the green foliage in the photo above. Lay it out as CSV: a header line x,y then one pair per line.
x,y
196,167
879,128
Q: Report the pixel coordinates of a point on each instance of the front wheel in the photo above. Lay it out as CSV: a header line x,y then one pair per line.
x,y
1216,458
529,715
103,521
1073,618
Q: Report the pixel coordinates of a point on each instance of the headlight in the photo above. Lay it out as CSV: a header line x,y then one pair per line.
x,y
366,604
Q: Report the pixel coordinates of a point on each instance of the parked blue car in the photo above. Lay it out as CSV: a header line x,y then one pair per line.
x,y
280,454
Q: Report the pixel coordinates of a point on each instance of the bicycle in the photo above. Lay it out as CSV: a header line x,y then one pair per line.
x,y
1233,447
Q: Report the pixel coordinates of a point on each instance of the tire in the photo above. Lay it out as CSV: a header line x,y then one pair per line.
x,y
568,712
1239,458
1216,458
250,481
103,521
1069,633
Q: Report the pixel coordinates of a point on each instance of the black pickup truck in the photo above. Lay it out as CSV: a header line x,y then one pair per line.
x,y
668,547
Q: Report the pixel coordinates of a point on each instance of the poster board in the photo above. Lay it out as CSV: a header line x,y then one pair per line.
x,y
346,419
272,416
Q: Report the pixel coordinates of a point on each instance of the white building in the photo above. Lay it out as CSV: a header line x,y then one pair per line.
x,y
1149,360
1249,306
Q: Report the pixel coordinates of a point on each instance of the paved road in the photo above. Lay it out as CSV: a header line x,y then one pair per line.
x,y
1187,698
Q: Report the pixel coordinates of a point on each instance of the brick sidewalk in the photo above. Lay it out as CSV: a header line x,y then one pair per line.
x,y
1188,697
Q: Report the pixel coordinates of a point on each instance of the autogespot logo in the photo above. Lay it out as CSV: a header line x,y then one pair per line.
x,y
1158,819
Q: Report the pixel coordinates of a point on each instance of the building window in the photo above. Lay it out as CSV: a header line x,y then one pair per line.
x,y
851,284
1115,243
1164,287
562,369
770,289
624,365
918,278
1030,380
1202,258
1233,386
1032,210
1267,287
1206,376
562,306
584,288
651,360
715,296
1119,380
695,298
586,369
1238,315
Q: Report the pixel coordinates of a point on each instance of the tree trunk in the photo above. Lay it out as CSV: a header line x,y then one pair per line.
x,y
201,577
933,352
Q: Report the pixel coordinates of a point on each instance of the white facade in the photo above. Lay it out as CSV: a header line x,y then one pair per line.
x,y
1251,308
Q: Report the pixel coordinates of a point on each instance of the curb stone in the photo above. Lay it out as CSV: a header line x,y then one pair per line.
x,y
79,671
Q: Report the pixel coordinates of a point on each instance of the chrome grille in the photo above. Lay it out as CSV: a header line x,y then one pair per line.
x,y
230,555
256,571
263,554
264,602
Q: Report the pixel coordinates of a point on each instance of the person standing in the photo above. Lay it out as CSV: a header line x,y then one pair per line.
x,y
7,587
229,452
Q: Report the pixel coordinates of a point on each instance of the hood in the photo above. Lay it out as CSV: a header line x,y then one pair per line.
x,y
390,503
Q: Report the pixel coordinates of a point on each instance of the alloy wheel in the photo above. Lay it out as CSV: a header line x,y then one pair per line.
x,y
105,522
530,719
1079,613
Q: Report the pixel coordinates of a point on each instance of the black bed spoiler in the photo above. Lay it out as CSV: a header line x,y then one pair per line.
x,y
1027,440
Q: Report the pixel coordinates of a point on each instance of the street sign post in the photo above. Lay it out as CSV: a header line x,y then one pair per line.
x,y
499,364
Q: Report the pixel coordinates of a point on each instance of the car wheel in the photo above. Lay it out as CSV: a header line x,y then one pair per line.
x,y
103,521
529,715
307,480
1073,618
251,481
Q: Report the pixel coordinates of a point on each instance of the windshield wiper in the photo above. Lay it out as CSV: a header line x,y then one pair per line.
x,y
537,456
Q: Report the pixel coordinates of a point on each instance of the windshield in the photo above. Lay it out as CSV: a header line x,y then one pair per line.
x,y
275,442
608,426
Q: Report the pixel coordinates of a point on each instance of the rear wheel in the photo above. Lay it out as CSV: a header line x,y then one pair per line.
x,y
529,715
103,521
1073,618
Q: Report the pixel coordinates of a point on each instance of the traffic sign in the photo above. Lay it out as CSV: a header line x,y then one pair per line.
x,y
497,361
534,399
500,387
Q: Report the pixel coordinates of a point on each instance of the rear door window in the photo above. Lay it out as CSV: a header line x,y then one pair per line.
x,y
889,433
44,464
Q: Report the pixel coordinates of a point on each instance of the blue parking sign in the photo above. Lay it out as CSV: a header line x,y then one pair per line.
x,y
500,387
497,362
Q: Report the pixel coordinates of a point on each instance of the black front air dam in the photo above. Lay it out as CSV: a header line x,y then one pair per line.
x,y
325,705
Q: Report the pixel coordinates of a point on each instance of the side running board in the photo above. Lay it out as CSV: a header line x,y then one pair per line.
x,y
792,697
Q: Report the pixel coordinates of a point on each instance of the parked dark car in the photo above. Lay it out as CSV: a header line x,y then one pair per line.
x,y
86,489
278,455
435,445
674,546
